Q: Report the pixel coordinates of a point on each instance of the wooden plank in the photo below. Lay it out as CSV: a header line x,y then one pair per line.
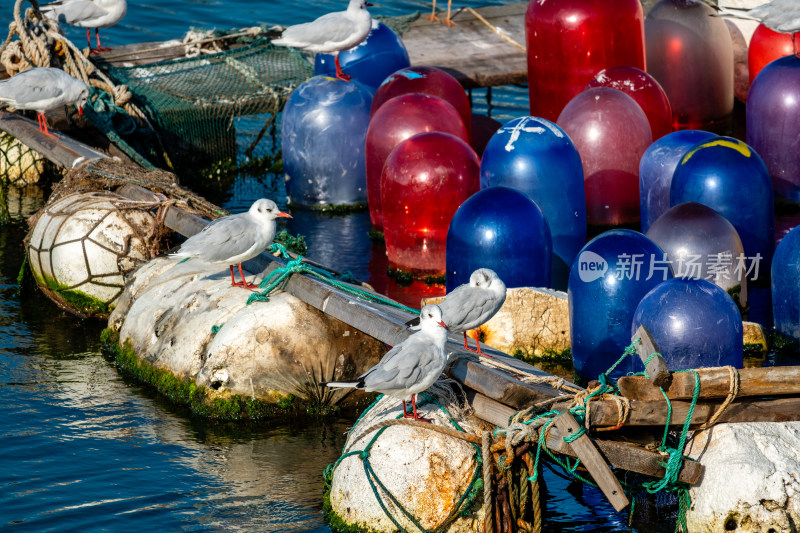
x,y
656,367
590,458
715,383
605,413
471,51
617,454
61,150
498,385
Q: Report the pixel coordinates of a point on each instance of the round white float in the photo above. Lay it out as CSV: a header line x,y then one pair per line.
x,y
426,472
82,246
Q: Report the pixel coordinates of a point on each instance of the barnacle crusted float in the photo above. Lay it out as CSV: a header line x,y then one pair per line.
x,y
185,320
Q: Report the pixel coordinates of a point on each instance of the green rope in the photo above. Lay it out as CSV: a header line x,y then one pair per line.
x,y
571,438
100,113
672,465
279,275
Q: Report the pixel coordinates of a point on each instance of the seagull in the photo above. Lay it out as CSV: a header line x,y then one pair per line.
x,y
235,238
87,14
472,304
447,21
331,33
43,89
410,367
782,16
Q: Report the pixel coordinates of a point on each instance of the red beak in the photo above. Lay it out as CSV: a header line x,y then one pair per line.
x,y
285,215
442,324
80,110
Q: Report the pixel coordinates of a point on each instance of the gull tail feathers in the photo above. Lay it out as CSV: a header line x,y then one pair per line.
x,y
343,384
732,12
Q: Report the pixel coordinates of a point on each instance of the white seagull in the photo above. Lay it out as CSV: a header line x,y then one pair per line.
x,y
331,33
235,238
41,90
410,367
472,304
87,14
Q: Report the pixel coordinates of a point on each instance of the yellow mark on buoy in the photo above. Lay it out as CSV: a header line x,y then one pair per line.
x,y
739,146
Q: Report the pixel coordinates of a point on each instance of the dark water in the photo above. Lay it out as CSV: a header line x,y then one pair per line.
x,y
84,449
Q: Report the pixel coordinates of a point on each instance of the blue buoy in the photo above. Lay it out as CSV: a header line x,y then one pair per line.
x,y
728,176
656,168
502,229
372,61
608,279
786,284
324,129
536,157
693,322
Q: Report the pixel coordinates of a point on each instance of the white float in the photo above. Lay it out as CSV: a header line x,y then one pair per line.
x,y
751,478
82,245
425,471
186,318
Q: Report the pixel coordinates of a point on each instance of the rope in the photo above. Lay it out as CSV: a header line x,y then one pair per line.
x,y
734,380
279,275
488,523
495,29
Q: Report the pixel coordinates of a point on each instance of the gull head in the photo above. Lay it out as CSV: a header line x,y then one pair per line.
x,y
267,210
431,317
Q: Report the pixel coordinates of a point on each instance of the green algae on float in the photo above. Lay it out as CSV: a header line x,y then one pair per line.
x,y
205,401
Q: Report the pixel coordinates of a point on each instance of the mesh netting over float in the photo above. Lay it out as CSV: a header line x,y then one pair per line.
x,y
219,106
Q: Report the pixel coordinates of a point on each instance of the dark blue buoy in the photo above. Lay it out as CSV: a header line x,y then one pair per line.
x,y
608,279
324,129
728,176
656,168
372,61
786,284
502,229
693,322
536,157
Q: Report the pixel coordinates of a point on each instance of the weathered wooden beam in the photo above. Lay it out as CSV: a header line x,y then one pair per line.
x,y
61,150
498,385
605,413
591,459
618,454
715,383
484,58
655,366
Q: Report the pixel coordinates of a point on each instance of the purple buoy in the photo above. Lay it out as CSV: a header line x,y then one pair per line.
x,y
773,124
656,168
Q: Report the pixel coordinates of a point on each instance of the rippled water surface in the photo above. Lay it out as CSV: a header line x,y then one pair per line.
x,y
84,449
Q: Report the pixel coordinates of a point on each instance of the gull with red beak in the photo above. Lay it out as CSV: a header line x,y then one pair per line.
x,y
42,90
410,367
235,238
331,33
